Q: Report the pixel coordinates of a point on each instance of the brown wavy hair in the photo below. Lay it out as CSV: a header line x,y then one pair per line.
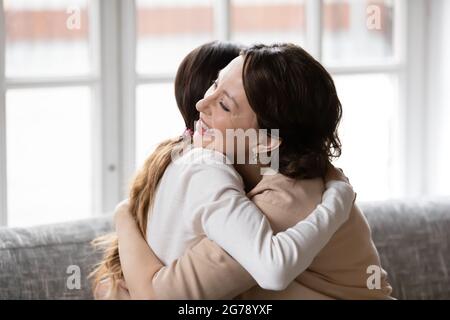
x,y
300,100
194,76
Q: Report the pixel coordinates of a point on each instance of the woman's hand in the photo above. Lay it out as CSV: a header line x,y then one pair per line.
x,y
334,173
337,174
105,291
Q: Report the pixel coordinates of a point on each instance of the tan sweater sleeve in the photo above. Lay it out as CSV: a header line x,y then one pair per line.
x,y
205,271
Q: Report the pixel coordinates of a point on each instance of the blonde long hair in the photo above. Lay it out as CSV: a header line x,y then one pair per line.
x,y
141,198
194,76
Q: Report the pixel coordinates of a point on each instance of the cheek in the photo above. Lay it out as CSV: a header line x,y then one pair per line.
x,y
221,121
252,121
222,124
245,121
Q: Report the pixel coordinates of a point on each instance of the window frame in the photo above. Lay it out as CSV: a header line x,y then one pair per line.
x,y
103,123
397,65
114,81
3,194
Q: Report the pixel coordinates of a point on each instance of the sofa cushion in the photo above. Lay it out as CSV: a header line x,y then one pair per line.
x,y
413,239
34,262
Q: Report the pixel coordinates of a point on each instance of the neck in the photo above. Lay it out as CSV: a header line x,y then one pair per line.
x,y
250,173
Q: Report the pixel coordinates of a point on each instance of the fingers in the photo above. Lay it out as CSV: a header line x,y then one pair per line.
x,y
334,173
102,289
105,291
343,176
121,283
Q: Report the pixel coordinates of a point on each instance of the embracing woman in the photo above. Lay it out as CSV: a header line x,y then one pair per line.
x,y
200,197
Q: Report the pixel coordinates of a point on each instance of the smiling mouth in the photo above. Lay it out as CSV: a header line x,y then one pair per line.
x,y
203,129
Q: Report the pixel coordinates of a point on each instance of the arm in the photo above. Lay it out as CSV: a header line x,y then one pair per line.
x,y
205,271
139,264
236,225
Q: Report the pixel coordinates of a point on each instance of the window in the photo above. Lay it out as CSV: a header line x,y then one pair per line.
x,y
268,21
48,111
166,32
358,31
360,48
367,131
355,40
86,89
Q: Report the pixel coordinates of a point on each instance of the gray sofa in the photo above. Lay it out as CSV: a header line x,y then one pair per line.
x,y
413,238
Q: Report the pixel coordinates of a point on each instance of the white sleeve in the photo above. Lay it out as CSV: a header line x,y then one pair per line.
x,y
218,204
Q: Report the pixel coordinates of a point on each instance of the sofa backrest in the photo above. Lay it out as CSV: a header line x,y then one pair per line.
x,y
36,262
412,237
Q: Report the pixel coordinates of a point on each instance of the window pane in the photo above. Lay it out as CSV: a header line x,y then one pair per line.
x,y
48,155
358,31
46,38
266,21
370,104
168,30
157,118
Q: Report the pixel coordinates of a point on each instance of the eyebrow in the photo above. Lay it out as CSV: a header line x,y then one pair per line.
x,y
226,92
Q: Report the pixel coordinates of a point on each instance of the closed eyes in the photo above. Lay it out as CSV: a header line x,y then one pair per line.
x,y
222,105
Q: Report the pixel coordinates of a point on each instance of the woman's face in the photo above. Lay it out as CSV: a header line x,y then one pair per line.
x,y
224,109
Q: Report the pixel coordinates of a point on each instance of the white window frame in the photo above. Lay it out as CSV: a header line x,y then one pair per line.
x,y
3,194
114,82
89,81
104,83
408,64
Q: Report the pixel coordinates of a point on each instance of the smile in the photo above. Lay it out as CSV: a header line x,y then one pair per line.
x,y
203,129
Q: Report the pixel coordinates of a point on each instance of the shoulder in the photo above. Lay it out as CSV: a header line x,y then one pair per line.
x,y
204,159
201,156
205,168
282,196
284,191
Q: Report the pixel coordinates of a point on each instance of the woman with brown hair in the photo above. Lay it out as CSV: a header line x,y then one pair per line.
x,y
229,219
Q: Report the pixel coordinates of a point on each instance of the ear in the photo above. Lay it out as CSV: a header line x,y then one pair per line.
x,y
271,144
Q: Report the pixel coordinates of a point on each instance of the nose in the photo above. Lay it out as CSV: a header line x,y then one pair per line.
x,y
203,105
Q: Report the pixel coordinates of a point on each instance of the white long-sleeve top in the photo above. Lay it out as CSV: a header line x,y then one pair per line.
x,y
200,194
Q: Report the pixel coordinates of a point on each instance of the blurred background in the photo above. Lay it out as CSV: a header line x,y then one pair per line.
x,y
86,91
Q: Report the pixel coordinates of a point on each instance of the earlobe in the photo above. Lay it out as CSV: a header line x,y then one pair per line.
x,y
275,143
272,144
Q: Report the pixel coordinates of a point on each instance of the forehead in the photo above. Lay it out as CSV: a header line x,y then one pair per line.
x,y
233,71
231,81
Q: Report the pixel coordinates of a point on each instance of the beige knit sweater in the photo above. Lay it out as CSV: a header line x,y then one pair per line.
x,y
339,271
